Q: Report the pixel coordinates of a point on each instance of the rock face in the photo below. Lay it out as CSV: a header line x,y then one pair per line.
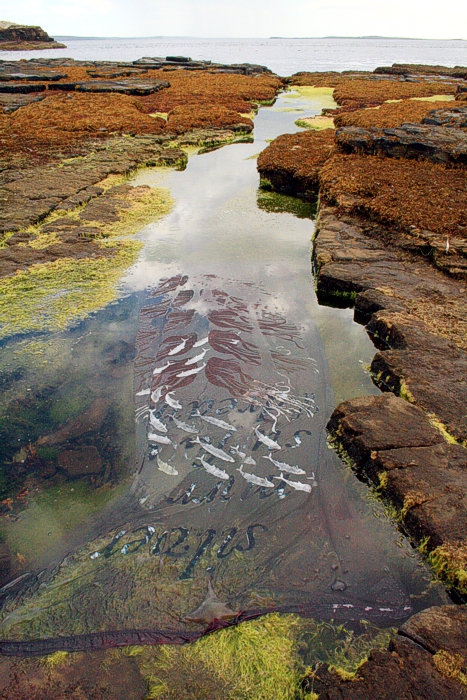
x,y
438,144
21,37
426,659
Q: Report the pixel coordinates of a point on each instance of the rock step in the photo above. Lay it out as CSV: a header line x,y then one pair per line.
x,y
438,144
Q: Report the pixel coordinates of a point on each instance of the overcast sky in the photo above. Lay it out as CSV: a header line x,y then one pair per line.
x,y
243,18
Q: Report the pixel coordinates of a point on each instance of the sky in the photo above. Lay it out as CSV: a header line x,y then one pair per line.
x,y
425,19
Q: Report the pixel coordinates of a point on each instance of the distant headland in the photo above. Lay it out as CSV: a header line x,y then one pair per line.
x,y
20,37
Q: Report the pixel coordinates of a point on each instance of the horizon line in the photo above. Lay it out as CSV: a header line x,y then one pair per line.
x,y
297,38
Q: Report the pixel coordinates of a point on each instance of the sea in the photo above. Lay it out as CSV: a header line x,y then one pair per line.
x,y
283,56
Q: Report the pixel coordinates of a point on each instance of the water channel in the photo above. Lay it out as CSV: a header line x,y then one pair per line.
x,y
226,498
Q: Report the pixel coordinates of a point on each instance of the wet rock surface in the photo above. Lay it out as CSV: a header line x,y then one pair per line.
x,y
27,197
426,659
438,144
393,444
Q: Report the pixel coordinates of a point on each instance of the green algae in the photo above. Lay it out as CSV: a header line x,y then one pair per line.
x,y
53,295
318,123
52,515
257,660
275,202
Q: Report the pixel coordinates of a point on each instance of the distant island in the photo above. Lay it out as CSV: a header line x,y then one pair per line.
x,y
20,37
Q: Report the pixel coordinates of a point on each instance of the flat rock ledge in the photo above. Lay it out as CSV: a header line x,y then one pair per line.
x,y
439,144
426,660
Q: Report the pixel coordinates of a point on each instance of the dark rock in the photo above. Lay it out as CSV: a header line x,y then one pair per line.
x,y
424,476
379,423
90,420
11,72
82,197
19,32
178,59
425,366
10,103
449,117
439,628
14,36
124,87
110,72
21,88
420,69
435,143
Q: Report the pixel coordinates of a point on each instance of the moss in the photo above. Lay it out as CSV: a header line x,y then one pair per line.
x,y
383,481
451,666
51,296
308,91
411,500
275,202
436,423
265,184
404,392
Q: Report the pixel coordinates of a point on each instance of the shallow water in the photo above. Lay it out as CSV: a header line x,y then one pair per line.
x,y
221,314
283,56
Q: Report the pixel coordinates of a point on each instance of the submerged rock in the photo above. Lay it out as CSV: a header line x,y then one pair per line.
x,y
426,659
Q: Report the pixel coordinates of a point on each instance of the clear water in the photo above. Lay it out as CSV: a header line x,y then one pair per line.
x,y
283,56
221,313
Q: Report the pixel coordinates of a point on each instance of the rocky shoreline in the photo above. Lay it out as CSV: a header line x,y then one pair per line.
x,y
68,126
390,240
19,37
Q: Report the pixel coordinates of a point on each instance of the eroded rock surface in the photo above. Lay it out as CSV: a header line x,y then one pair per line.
x,y
123,87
